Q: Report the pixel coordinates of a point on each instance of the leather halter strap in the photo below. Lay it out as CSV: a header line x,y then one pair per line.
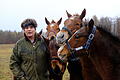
x,y
52,32
68,30
52,70
56,58
90,39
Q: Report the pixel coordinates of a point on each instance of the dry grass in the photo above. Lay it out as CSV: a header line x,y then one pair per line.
x,y
5,52
66,75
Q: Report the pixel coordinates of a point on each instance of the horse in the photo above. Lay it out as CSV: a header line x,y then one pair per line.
x,y
101,46
57,66
73,23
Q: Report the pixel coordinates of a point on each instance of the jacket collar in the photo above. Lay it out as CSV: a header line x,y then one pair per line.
x,y
26,38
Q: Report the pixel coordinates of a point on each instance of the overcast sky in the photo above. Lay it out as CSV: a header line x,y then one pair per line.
x,y
13,12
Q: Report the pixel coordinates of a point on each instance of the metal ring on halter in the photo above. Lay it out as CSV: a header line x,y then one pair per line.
x,y
91,36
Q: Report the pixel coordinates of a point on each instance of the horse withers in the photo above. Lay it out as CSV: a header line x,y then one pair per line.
x,y
101,46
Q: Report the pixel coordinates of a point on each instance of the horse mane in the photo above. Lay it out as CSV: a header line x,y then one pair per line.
x,y
76,15
111,35
52,21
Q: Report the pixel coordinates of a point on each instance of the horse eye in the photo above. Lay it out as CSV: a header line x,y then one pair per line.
x,y
77,24
77,36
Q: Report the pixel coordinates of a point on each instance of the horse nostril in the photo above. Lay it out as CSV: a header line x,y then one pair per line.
x,y
52,37
59,55
62,36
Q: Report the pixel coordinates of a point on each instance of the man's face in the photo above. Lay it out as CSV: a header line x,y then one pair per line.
x,y
29,31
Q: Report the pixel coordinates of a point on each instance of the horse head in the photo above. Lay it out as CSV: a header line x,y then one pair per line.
x,y
72,24
57,66
52,28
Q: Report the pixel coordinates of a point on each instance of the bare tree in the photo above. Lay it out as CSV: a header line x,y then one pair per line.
x,y
118,26
96,20
106,22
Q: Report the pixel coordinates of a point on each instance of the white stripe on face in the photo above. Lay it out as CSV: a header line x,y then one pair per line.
x,y
51,25
59,50
72,18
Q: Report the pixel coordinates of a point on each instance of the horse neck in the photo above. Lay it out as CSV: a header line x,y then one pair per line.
x,y
53,47
103,43
98,43
105,55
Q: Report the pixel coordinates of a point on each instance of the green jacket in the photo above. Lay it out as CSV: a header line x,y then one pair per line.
x,y
30,60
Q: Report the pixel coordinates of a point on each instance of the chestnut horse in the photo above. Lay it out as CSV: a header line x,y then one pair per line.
x,y
73,23
57,66
102,47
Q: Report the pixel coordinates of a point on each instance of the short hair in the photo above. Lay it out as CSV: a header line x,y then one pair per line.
x,y
28,22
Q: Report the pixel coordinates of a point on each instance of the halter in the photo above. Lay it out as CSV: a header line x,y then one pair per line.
x,y
68,30
52,31
86,45
72,52
51,69
56,58
90,38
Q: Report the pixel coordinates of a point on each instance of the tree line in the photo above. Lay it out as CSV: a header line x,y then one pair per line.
x,y
112,24
9,37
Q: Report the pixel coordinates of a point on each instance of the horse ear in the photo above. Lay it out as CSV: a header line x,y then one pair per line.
x,y
40,32
46,40
59,21
68,14
47,22
83,14
90,24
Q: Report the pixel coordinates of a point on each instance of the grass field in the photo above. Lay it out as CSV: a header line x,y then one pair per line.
x,y
5,52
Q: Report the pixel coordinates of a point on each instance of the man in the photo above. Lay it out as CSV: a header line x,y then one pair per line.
x,y
29,60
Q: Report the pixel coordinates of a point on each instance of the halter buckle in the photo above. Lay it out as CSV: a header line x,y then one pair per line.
x,y
91,36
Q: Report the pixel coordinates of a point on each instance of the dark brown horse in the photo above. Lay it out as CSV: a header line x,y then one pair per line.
x,y
102,48
57,66
73,23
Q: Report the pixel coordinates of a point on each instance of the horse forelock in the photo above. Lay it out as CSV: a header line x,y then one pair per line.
x,y
76,15
53,21
52,25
